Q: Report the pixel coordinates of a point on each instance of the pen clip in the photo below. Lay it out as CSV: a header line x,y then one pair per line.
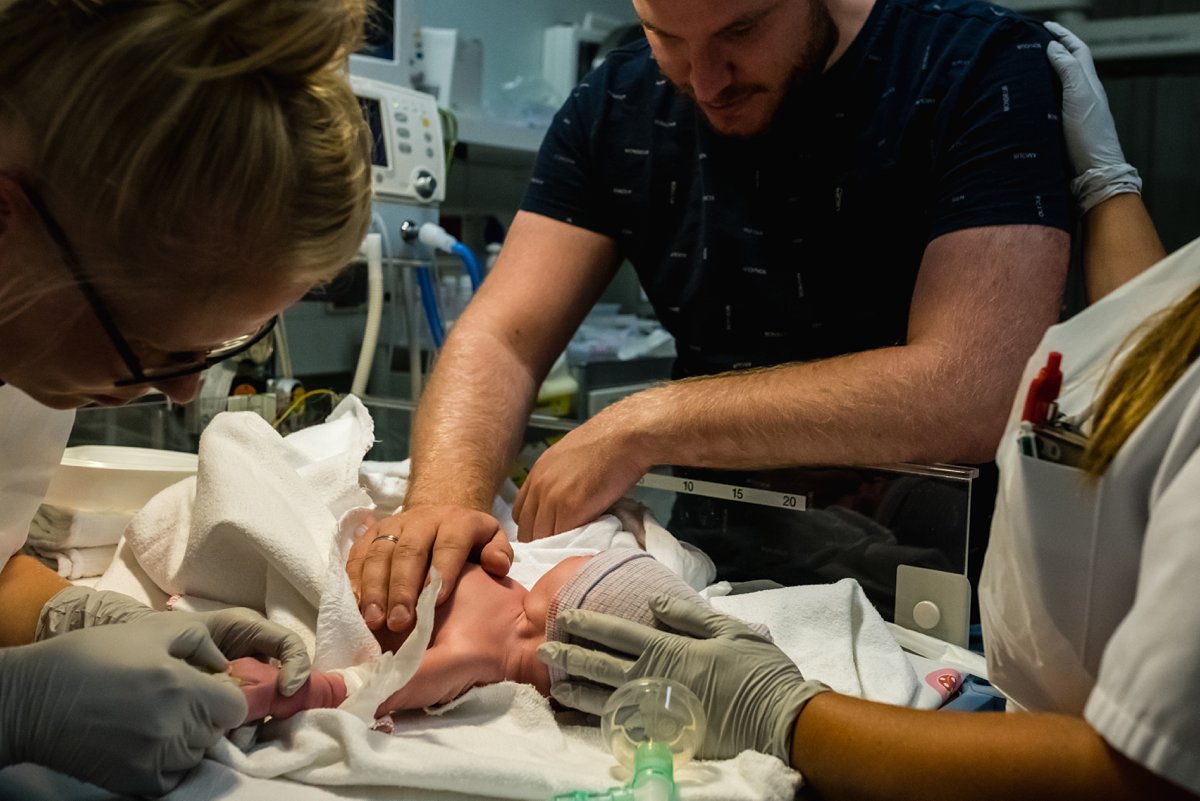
x,y
1043,390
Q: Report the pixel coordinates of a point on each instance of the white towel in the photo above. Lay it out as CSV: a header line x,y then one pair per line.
x,y
531,560
125,575
210,780
266,523
79,563
387,482
498,741
834,635
56,528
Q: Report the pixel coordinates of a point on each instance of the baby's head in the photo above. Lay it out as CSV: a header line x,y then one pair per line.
x,y
619,582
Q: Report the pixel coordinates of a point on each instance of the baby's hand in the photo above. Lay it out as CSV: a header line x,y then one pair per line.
x,y
257,682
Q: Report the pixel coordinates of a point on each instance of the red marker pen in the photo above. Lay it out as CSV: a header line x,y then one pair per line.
x,y
1043,390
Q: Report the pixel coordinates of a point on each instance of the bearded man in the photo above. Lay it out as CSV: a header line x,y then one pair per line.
x,y
852,215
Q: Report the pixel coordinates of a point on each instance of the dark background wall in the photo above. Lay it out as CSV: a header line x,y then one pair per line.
x,y
1158,119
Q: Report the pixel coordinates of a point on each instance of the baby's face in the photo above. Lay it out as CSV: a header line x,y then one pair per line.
x,y
537,603
479,596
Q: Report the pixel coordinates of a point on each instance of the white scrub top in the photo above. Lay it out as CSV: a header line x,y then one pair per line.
x,y
32,438
1088,589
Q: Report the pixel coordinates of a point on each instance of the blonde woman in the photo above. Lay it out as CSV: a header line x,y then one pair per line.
x,y
1090,621
172,175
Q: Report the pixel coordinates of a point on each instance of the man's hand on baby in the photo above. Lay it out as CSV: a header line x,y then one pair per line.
x,y
389,564
751,691
579,477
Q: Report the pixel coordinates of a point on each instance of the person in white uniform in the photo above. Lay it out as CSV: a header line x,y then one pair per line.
x,y
1090,621
172,175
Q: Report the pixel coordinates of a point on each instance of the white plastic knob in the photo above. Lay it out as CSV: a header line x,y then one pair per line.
x,y
927,615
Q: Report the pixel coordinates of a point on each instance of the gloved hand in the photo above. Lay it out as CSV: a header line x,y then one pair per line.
x,y
1092,144
127,707
237,631
752,693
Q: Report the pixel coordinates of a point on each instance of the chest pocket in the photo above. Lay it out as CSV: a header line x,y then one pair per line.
x,y
1038,585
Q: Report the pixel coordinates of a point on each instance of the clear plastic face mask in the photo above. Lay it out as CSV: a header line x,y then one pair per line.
x,y
652,726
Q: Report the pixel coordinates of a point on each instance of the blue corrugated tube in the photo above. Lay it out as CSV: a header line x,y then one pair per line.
x,y
429,301
470,263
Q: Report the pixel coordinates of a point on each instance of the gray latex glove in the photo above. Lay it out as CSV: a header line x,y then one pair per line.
x,y
130,708
751,691
1092,144
237,631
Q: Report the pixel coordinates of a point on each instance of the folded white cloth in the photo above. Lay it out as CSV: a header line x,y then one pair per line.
x,y
211,780
79,563
55,528
387,482
125,575
457,748
834,635
266,523
533,559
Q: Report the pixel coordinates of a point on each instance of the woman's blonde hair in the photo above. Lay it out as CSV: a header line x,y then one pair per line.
x,y
223,130
1167,345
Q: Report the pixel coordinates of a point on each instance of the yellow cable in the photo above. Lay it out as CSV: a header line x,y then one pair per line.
x,y
298,402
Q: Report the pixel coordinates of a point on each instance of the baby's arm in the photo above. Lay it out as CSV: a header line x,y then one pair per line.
x,y
257,680
446,672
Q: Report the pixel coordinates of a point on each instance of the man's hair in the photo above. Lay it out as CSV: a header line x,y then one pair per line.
x,y
224,131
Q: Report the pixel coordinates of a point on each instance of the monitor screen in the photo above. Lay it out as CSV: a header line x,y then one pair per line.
x,y
379,36
373,113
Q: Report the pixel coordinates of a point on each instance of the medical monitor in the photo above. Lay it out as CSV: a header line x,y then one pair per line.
x,y
373,113
381,34
407,156
391,50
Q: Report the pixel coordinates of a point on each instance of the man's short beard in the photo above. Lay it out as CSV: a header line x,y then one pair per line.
x,y
810,62
814,57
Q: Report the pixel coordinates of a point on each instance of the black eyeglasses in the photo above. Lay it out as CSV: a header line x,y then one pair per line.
x,y
182,364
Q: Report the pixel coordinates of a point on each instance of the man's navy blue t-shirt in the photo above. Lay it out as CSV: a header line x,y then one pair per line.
x,y
804,242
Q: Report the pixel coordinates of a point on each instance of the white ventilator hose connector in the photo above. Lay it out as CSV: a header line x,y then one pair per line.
x,y
435,236
373,247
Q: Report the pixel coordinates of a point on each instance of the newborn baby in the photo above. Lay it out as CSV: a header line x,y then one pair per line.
x,y
488,631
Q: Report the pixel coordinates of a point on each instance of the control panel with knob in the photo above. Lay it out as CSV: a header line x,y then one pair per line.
x,y
407,157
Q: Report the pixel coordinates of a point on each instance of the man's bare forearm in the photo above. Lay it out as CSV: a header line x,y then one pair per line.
x,y
982,301
474,411
469,422
888,405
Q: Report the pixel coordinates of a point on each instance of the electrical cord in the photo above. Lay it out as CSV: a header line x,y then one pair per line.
x,y
298,403
449,135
